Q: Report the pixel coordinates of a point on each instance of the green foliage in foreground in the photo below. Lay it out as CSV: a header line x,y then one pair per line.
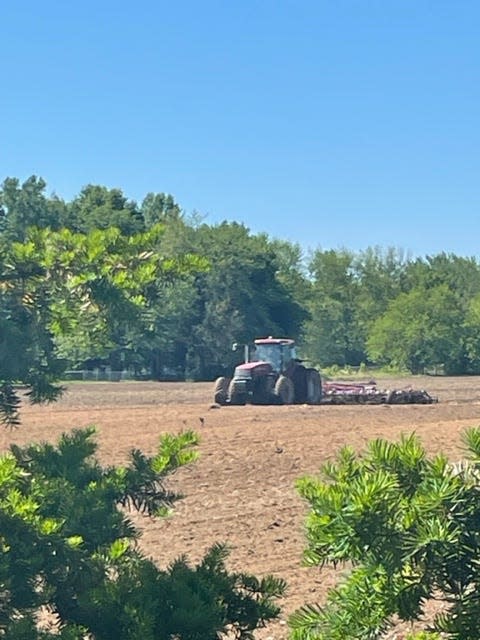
x,y
410,527
69,548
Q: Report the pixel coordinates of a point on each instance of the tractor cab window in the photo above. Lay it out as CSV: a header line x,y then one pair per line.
x,y
278,355
289,353
270,353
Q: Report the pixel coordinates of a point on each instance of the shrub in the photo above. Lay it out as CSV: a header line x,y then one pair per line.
x,y
410,527
69,546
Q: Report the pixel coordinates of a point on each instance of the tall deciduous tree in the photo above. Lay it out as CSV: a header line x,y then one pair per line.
x,y
472,335
381,275
331,334
240,298
159,208
460,274
97,207
420,329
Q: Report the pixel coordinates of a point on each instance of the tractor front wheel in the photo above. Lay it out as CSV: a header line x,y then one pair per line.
x,y
284,390
220,390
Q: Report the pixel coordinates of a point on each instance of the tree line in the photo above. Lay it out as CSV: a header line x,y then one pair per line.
x,y
104,280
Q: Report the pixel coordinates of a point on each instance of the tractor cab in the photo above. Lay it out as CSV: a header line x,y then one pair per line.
x,y
270,374
278,352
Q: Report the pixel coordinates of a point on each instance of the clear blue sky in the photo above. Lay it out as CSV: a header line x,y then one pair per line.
x,y
334,124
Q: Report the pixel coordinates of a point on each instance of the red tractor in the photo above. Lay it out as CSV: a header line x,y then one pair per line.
x,y
271,374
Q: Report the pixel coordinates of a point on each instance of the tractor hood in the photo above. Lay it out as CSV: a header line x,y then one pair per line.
x,y
251,369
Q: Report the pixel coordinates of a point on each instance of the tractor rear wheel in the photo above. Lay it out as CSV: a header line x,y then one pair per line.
x,y
284,390
220,390
299,378
314,386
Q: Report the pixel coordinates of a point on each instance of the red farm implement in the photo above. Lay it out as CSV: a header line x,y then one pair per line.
x,y
369,393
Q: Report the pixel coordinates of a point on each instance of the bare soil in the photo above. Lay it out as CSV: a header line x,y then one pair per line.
x,y
241,491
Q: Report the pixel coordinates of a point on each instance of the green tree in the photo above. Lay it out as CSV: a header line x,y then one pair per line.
x,y
332,335
26,205
461,275
381,275
173,304
159,208
241,297
409,527
348,293
69,547
421,328
291,271
472,338
69,295
97,207
253,287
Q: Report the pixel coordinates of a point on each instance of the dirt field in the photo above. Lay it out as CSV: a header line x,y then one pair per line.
x,y
241,491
